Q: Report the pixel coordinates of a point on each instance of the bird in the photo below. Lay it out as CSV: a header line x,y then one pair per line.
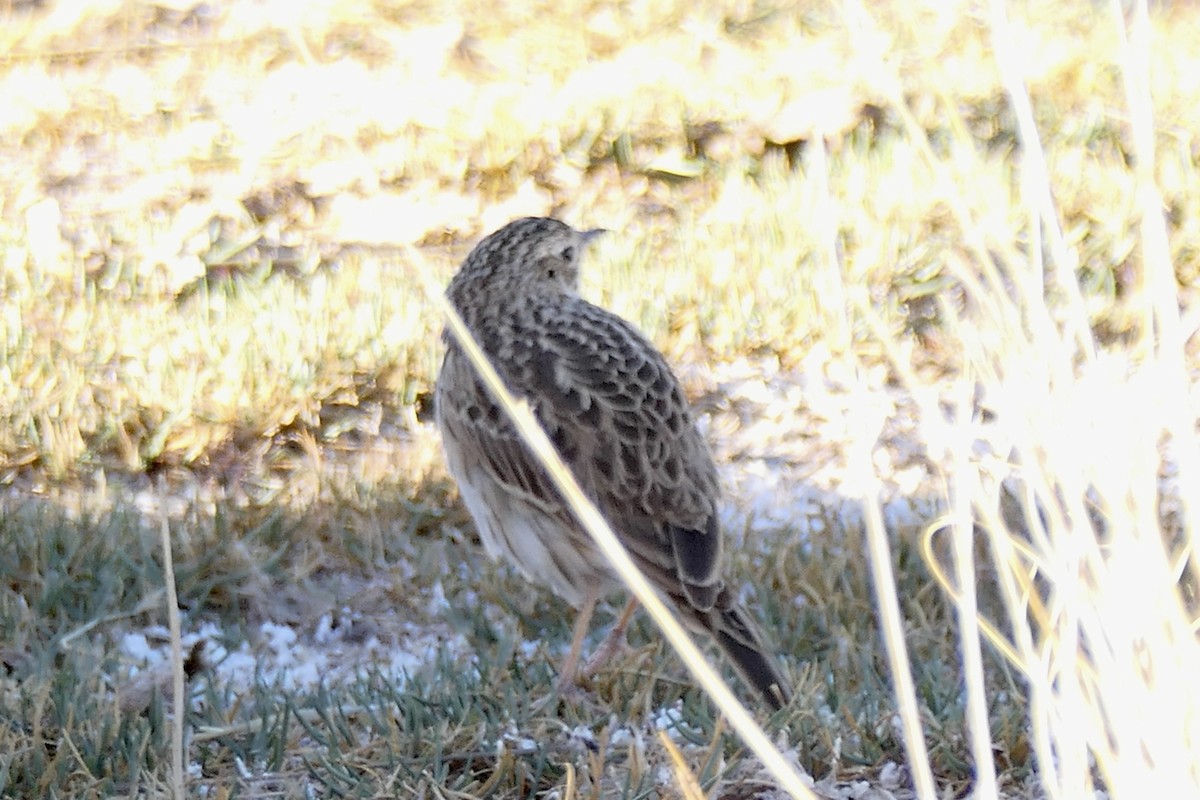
x,y
617,415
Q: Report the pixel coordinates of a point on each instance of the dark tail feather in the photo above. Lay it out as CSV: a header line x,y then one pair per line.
x,y
739,637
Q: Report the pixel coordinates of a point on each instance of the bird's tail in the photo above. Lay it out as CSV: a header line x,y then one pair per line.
x,y
739,637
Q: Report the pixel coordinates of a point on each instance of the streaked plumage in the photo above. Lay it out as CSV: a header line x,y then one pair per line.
x,y
616,413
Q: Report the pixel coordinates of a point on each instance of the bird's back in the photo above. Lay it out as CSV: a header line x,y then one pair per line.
x,y
616,413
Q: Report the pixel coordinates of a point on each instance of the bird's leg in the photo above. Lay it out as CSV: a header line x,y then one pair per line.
x,y
615,642
570,666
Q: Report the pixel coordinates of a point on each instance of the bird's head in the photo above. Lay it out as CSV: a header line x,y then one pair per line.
x,y
529,255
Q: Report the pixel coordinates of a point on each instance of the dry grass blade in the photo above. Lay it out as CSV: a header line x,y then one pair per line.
x,y
892,631
179,700
686,782
1160,290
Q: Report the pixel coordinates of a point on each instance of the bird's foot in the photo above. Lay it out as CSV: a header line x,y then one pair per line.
x,y
615,645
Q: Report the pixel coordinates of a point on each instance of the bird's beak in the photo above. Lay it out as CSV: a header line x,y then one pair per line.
x,y
587,237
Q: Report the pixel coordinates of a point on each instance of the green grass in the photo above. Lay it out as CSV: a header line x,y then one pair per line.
x,y
64,729
204,292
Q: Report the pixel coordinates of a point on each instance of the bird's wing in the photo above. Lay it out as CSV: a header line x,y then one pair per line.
x,y
469,413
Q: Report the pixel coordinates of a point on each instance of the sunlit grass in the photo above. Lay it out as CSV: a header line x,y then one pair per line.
x,y
404,130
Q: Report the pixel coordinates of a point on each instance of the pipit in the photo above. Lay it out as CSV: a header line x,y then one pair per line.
x,y
610,404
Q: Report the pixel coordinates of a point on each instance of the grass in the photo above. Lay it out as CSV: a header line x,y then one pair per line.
x,y
821,213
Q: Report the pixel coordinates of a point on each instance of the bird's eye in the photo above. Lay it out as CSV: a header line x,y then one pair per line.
x,y
568,253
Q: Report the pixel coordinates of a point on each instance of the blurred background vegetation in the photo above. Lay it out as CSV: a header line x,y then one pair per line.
x,y
202,203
